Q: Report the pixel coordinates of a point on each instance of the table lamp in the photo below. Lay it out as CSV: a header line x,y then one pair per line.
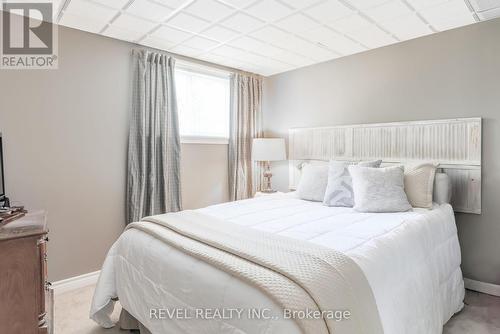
x,y
267,150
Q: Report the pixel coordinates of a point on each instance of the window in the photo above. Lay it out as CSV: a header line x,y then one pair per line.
x,y
203,105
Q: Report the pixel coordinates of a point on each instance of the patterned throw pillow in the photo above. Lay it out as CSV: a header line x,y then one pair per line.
x,y
339,188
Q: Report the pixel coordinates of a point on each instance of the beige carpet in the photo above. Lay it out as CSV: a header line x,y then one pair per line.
x,y
481,315
72,314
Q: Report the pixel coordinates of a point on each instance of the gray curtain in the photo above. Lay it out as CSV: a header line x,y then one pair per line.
x,y
153,175
245,176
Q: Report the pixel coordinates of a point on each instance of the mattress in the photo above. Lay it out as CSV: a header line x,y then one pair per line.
x,y
411,261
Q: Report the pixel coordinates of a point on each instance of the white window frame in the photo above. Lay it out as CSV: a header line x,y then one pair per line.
x,y
197,68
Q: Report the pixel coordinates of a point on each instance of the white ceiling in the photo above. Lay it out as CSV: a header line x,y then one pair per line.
x,y
270,36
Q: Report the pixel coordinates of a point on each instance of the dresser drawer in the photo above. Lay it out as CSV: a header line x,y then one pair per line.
x,y
20,285
23,274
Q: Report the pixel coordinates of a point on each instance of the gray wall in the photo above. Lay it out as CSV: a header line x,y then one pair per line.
x,y
65,137
447,75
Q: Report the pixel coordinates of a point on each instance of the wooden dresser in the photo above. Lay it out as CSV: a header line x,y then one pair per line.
x,y
26,300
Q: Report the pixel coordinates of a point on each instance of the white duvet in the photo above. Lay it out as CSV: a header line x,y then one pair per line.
x,y
411,260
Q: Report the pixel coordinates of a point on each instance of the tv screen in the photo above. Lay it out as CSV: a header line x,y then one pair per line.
x,y
2,188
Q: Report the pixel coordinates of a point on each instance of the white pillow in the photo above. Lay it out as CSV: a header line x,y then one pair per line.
x,y
379,189
339,188
312,182
419,184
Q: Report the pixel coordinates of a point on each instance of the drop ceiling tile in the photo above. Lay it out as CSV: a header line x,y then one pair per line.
x,y
271,35
240,3
308,48
451,23
296,23
249,57
350,23
292,58
484,5
334,41
209,9
321,54
388,10
171,34
124,34
157,43
129,22
227,51
490,14
90,10
242,23
252,44
448,15
269,10
329,11
187,51
268,67
421,4
220,34
407,27
200,43
372,36
364,4
118,4
212,58
188,22
225,61
82,23
149,10
245,66
169,3
300,4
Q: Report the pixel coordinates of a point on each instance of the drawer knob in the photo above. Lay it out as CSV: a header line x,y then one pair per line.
x,y
42,240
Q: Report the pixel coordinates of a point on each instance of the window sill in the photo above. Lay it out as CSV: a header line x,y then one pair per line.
x,y
204,140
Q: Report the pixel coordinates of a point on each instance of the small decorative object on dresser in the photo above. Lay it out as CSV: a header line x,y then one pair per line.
x,y
26,300
260,193
266,150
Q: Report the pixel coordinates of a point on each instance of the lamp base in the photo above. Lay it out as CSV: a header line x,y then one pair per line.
x,y
268,191
267,176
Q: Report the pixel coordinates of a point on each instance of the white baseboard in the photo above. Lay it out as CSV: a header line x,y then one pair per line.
x,y
488,288
76,282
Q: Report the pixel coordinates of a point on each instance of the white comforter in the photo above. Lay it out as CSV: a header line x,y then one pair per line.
x,y
411,260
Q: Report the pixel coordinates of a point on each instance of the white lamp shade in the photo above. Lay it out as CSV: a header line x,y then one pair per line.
x,y
268,149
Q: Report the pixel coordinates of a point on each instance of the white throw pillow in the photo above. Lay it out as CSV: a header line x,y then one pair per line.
x,y
339,188
419,184
312,182
379,189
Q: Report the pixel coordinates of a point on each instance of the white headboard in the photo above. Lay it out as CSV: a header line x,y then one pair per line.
x,y
453,143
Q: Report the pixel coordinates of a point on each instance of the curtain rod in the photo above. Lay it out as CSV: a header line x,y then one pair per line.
x,y
197,61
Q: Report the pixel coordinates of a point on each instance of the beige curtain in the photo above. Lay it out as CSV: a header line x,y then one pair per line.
x,y
245,176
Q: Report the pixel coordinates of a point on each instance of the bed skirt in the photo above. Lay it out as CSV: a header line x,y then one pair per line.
x,y
128,322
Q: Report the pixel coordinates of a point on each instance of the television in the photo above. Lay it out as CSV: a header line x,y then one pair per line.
x,y
2,183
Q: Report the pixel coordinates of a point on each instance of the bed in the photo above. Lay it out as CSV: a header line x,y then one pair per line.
x,y
411,261
400,272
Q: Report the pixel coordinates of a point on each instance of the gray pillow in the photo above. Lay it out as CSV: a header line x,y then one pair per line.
x,y
379,189
339,188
